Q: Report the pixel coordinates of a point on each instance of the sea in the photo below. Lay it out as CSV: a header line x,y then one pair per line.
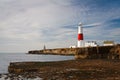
x,y
6,58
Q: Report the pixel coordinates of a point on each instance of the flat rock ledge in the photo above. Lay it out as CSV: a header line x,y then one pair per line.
x,y
87,69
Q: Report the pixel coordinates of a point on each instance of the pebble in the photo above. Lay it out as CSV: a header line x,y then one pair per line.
x,y
18,77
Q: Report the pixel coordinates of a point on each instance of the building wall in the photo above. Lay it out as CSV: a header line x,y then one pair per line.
x,y
90,43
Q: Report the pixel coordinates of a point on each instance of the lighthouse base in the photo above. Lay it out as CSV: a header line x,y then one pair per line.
x,y
81,43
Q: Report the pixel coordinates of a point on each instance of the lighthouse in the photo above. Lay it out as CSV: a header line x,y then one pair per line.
x,y
80,36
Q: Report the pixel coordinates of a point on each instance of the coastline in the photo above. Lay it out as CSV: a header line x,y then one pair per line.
x,y
95,52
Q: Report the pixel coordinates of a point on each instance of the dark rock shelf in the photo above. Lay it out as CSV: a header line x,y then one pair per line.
x,y
85,69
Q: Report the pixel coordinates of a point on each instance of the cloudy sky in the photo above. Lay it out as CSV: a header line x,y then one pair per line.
x,y
31,24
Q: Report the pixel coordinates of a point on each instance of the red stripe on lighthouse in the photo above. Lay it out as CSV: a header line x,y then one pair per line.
x,y
80,36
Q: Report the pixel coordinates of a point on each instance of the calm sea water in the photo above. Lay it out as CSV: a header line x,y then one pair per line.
x,y
6,58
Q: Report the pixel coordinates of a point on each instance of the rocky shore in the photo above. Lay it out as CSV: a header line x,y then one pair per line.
x,y
101,52
85,69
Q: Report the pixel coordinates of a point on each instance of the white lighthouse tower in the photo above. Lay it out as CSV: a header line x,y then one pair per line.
x,y
80,36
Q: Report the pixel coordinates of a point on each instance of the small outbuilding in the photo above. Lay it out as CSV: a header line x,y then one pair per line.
x,y
108,43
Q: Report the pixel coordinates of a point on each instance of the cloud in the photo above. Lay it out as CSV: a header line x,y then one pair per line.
x,y
33,23
92,25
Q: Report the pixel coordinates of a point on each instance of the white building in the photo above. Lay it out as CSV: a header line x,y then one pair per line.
x,y
90,44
